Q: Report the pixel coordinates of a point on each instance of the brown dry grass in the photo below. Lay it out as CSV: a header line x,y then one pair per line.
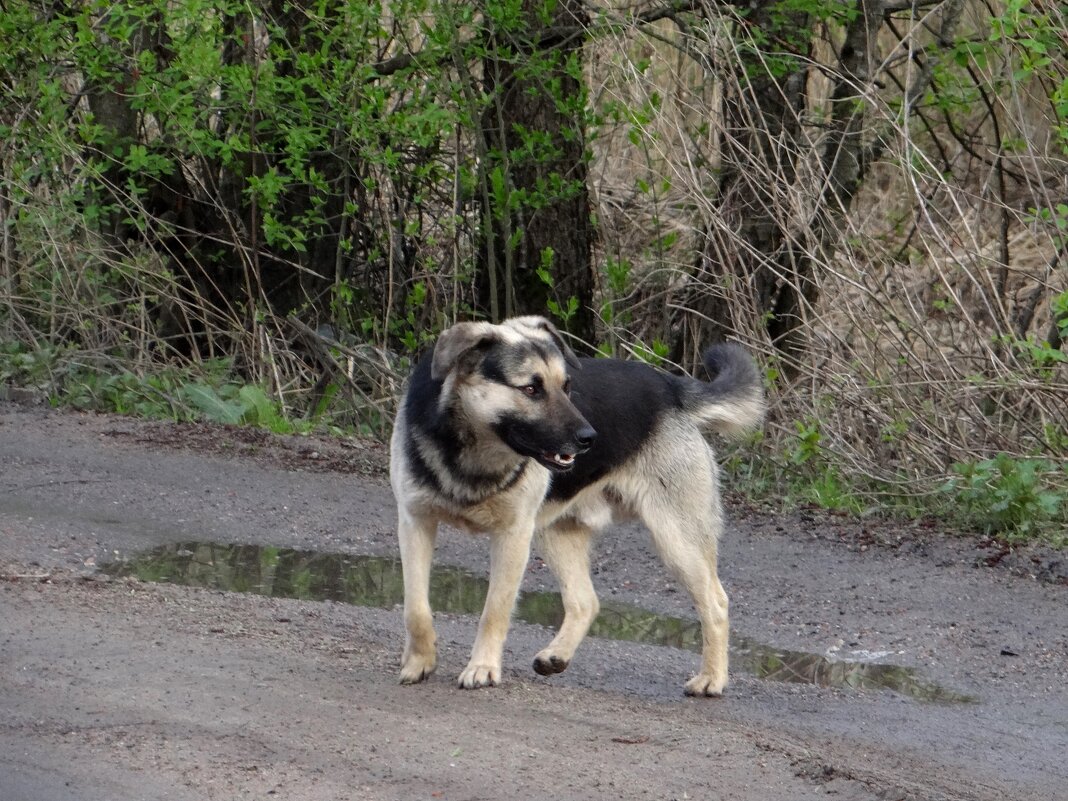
x,y
911,365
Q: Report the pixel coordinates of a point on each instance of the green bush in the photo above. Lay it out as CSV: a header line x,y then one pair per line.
x,y
1012,498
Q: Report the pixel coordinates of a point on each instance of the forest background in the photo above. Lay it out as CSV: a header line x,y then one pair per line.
x,y
258,211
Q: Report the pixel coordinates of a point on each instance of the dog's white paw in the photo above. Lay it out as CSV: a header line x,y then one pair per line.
x,y
475,676
705,684
417,668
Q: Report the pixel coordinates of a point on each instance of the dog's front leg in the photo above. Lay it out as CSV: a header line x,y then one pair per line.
x,y
509,552
416,534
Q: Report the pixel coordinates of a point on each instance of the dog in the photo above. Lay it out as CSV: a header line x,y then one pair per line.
x,y
502,430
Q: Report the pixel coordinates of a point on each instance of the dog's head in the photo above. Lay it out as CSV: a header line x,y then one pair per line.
x,y
513,379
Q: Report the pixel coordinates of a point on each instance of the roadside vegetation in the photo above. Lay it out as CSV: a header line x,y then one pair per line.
x,y
258,212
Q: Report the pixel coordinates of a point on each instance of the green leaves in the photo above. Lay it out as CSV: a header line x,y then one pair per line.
x,y
212,405
1008,496
1059,306
233,404
139,159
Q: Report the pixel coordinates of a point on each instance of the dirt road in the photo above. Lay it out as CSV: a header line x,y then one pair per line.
x,y
117,689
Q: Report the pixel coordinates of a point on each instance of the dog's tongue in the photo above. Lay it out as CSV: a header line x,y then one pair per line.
x,y
562,459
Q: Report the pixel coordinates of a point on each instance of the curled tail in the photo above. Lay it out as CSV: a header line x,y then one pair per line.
x,y
732,401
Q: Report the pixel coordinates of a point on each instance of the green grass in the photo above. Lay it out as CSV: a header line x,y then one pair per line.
x,y
208,392
1014,500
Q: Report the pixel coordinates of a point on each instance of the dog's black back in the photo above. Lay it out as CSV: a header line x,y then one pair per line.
x,y
625,401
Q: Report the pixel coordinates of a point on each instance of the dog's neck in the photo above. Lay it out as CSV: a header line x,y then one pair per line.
x,y
463,470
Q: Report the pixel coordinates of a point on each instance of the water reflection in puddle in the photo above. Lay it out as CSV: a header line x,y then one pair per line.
x,y
377,581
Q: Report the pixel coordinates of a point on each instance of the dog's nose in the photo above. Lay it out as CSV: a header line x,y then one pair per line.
x,y
585,436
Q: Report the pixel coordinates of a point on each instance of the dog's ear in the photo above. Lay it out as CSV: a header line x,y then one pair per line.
x,y
569,355
530,323
458,341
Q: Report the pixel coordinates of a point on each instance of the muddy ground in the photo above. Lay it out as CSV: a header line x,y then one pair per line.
x,y
115,689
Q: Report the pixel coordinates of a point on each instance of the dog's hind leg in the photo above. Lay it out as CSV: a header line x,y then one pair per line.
x,y
509,552
566,548
685,518
691,555
416,535
712,605
694,562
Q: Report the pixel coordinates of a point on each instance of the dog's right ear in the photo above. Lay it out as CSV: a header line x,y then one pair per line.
x,y
457,342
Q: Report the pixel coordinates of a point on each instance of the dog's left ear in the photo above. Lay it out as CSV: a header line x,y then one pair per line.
x,y
457,342
569,355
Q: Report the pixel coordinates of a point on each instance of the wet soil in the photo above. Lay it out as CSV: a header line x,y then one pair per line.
x,y
114,687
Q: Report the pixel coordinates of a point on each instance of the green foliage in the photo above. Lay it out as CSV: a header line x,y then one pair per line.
x,y
409,328
529,117
815,477
655,353
779,35
21,366
830,490
806,446
760,470
1013,498
245,142
241,404
174,395
1039,354
1024,44
265,151
212,404
1059,306
618,274
618,282
152,396
1055,218
564,313
566,310
208,393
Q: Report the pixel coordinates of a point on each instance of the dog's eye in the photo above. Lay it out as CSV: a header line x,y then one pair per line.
x,y
535,389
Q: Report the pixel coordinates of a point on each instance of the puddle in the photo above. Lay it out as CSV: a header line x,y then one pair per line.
x,y
377,581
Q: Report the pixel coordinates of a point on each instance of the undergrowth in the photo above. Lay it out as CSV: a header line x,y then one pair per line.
x,y
209,392
1014,499
256,213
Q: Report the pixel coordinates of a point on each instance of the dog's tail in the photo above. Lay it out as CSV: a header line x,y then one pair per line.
x,y
732,401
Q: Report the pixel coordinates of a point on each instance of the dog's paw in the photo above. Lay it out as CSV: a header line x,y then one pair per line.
x,y
416,669
475,676
706,685
547,664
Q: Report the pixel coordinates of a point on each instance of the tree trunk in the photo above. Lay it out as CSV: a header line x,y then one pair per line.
x,y
535,202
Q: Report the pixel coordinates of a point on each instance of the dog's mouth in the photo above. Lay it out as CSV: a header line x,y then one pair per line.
x,y
558,462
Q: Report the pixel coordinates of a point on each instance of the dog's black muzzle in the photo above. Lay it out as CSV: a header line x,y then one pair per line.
x,y
554,449
564,459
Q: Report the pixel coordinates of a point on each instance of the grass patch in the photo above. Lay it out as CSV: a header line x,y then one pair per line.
x,y
1013,500
209,391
